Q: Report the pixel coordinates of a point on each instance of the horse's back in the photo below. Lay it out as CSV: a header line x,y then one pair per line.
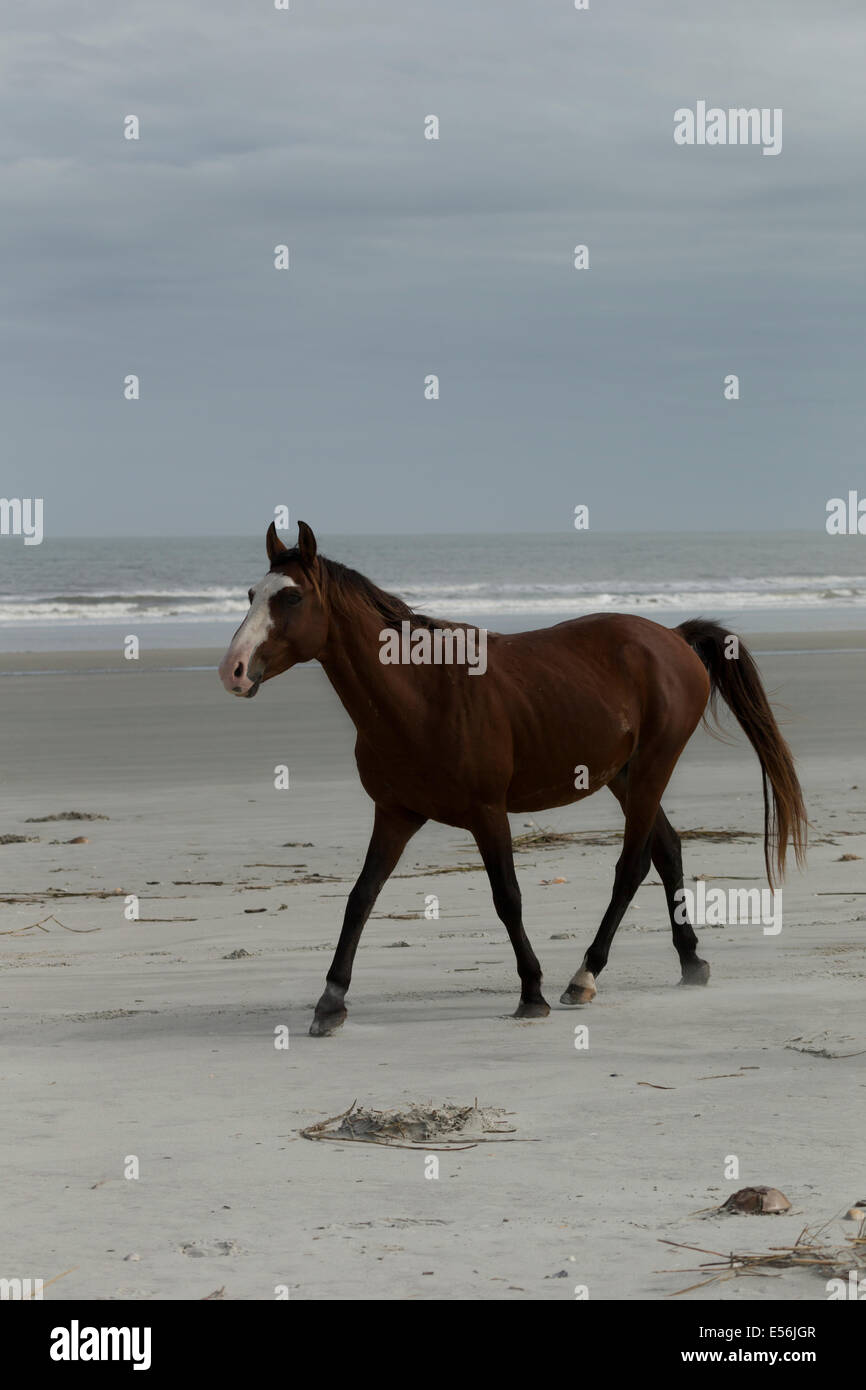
x,y
608,674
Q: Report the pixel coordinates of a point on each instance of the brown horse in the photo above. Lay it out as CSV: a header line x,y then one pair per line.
x,y
548,718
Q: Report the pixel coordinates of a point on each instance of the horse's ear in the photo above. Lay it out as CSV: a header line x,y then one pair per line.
x,y
274,545
306,545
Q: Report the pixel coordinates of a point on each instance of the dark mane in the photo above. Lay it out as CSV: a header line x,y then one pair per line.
x,y
345,589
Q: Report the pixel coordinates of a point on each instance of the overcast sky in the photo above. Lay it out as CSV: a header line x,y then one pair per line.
x,y
411,257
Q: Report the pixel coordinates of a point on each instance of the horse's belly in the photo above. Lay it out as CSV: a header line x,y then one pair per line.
x,y
522,798
566,766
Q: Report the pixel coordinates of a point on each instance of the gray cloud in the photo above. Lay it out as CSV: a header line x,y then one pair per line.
x,y
410,257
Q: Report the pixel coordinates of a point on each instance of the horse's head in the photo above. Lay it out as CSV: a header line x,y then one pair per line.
x,y
287,621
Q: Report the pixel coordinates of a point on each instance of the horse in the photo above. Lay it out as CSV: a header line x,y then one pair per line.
x,y
612,697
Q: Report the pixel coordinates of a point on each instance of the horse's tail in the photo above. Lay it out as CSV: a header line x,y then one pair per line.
x,y
736,679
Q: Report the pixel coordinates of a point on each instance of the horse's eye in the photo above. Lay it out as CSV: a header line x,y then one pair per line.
x,y
251,593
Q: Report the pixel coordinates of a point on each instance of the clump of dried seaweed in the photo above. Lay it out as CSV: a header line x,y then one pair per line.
x,y
541,838
544,839
418,1127
812,1250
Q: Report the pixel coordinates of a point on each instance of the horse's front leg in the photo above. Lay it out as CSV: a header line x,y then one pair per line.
x,y
493,836
392,831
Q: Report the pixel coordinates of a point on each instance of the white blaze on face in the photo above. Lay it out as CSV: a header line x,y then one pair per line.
x,y
253,631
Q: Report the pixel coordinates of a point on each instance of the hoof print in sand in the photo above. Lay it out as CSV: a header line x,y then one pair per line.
x,y
199,1250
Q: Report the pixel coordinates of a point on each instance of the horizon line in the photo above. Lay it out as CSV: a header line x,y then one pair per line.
x,y
399,534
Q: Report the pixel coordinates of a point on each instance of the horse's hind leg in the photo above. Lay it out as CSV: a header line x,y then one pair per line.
x,y
666,852
647,778
668,859
493,837
392,831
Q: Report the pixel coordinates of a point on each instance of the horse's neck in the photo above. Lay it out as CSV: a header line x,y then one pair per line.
x,y
369,690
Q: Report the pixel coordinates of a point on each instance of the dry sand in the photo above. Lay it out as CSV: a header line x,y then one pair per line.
x,y
149,1039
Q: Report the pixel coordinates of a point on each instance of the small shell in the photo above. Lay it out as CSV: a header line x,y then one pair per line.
x,y
757,1201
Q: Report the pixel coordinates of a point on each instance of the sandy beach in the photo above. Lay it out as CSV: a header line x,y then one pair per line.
x,y
153,1040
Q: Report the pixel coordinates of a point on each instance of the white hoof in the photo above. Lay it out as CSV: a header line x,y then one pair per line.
x,y
581,988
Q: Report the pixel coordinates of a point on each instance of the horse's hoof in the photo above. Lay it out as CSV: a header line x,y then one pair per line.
x,y
580,989
583,995
534,1008
323,1025
697,973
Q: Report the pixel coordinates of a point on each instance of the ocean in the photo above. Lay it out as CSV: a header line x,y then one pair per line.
x,y
87,595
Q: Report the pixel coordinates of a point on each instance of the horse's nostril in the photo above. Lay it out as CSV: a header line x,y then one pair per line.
x,y
239,670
